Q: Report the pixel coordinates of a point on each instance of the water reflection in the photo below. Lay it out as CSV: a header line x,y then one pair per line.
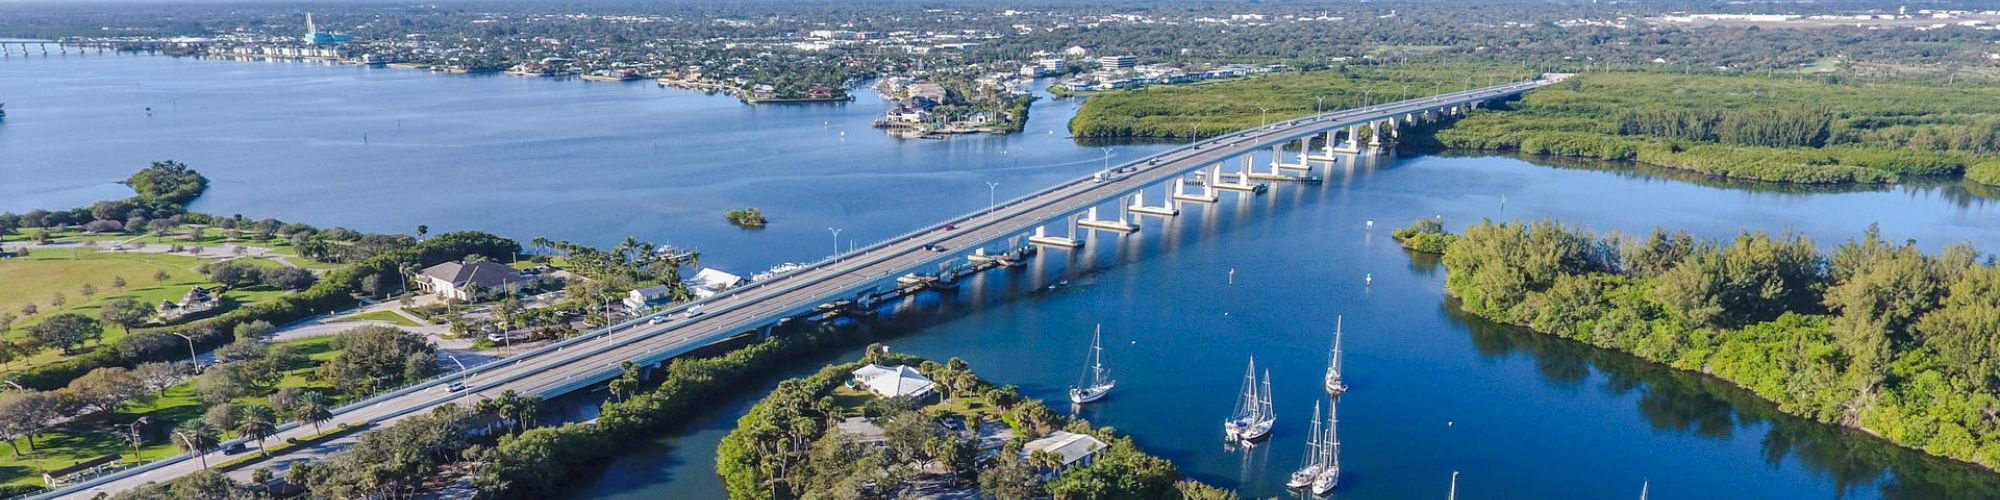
x,y
1682,403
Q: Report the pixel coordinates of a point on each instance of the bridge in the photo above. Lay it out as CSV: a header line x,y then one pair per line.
x,y
860,276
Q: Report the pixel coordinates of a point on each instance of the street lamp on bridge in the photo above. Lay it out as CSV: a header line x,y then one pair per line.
x,y
836,244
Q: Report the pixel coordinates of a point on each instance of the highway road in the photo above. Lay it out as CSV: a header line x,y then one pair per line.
x,y
594,357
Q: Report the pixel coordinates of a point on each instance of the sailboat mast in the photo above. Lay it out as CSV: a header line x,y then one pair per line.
x,y
1331,449
1264,399
1247,402
1336,345
1097,357
1313,457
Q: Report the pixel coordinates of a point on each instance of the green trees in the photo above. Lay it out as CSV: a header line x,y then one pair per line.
x,y
1424,235
257,423
1215,108
373,358
167,181
392,462
1750,127
1873,335
65,330
124,312
748,217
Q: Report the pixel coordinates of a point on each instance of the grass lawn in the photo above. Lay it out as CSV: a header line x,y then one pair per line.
x,y
36,278
389,316
95,438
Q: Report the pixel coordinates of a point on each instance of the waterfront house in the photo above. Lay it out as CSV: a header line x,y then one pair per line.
x,y
648,297
710,281
470,282
893,381
1071,449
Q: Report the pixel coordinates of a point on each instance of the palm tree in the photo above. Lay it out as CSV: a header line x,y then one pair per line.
x,y
315,413
197,438
258,423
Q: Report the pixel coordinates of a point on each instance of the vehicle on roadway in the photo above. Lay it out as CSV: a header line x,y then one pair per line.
x,y
694,311
657,319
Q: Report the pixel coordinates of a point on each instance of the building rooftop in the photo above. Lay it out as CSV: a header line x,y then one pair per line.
x,y
893,381
1068,445
483,273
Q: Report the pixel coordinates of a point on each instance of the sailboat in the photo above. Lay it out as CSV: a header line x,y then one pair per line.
x,y
1253,417
1329,450
1334,384
1643,487
1310,470
1096,380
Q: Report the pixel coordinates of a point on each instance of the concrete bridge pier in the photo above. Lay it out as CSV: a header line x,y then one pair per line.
x,y
1277,157
1042,237
1207,193
1138,204
1329,147
1353,144
1121,225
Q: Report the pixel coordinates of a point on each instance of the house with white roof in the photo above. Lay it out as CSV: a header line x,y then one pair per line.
x,y
710,281
894,381
1071,448
640,299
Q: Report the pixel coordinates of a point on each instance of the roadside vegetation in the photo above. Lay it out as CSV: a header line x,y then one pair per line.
x,y
1776,129
1874,335
1174,112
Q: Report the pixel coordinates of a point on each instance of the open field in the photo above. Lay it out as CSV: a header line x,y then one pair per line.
x,y
36,278
94,437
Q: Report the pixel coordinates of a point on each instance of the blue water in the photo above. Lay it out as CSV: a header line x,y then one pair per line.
x,y
1519,415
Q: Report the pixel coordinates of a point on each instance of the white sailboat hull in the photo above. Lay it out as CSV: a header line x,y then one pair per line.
x,y
1248,431
1328,479
1090,394
1303,477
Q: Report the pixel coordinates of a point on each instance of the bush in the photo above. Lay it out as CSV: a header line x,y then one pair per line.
x,y
1986,172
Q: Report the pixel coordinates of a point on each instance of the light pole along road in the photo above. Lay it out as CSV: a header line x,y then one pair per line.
x,y
595,356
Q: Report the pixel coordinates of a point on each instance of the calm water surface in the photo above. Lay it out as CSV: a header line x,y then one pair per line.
x,y
1433,391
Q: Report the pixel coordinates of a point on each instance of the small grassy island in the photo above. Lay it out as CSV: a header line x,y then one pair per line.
x,y
748,217
836,434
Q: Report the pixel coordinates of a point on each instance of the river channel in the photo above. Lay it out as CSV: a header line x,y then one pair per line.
x,y
1433,391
